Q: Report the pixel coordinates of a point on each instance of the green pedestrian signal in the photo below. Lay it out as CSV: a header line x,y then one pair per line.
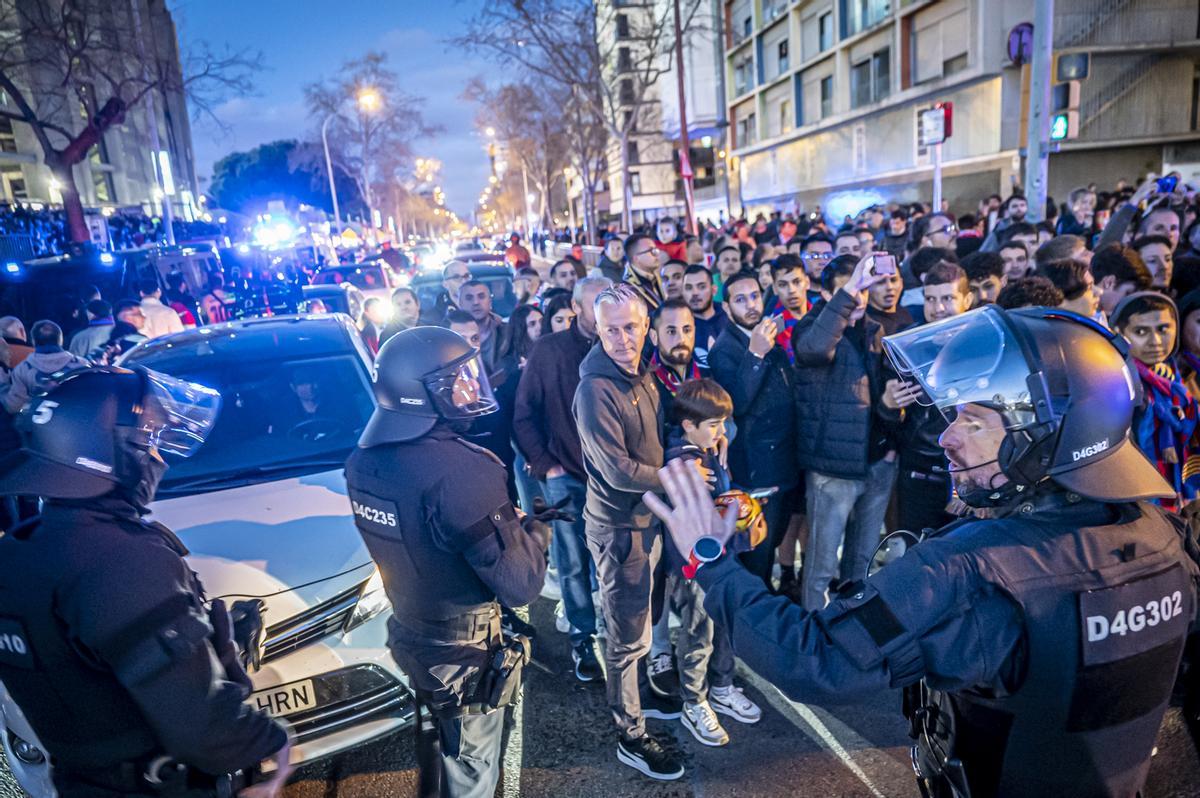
x,y
1058,127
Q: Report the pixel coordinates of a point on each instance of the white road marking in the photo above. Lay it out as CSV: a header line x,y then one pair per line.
x,y
807,720
513,752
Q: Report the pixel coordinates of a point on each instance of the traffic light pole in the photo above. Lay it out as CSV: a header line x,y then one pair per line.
x,y
1037,140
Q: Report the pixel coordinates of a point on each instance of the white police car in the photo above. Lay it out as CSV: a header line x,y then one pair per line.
x,y
262,507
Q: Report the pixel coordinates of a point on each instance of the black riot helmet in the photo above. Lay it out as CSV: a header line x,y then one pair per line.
x,y
107,428
1062,385
421,375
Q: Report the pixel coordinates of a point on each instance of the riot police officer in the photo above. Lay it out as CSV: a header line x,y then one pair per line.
x,y
434,511
108,649
1042,643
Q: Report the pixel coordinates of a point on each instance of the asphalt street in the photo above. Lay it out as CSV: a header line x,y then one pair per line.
x,y
562,744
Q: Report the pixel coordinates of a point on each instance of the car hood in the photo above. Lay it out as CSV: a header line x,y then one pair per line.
x,y
292,540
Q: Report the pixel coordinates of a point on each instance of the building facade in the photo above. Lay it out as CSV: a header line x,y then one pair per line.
x,y
120,171
824,98
653,143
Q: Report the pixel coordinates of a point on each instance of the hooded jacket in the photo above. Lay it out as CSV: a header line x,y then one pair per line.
x,y
620,421
34,375
96,333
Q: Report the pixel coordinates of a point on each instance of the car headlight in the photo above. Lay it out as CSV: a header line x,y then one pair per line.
x,y
373,601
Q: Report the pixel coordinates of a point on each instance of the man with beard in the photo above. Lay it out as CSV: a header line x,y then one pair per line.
x,y
671,276
1012,211
754,369
698,293
673,334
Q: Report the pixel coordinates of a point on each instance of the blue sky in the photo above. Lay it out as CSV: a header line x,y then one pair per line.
x,y
303,41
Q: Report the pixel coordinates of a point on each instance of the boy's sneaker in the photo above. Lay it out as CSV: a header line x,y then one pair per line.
x,y
664,679
733,702
646,755
560,619
702,722
659,708
587,666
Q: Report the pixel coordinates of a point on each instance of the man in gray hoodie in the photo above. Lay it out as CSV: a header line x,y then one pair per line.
x,y
37,372
619,415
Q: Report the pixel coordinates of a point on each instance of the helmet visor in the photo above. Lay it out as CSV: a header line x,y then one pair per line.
x,y
974,358
462,390
177,415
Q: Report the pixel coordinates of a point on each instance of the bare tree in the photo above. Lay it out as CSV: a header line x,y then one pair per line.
x,y
372,124
609,55
70,70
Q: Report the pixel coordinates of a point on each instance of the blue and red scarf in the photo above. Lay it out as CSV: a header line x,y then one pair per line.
x,y
1164,432
667,376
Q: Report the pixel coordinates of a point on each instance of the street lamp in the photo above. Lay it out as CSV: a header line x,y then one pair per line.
x,y
491,132
369,99
337,214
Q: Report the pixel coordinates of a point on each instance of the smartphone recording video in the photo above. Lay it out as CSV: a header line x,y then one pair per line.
x,y
882,263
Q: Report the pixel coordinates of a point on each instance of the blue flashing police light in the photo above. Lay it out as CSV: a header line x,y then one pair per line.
x,y
107,258
12,267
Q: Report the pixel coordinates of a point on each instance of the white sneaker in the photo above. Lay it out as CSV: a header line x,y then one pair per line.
x,y
733,702
702,722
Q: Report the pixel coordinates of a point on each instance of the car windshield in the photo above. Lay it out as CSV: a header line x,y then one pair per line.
x,y
282,415
365,277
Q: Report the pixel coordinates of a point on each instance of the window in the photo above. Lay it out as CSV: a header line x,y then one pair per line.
x,y
825,31
785,116
622,26
826,96
773,8
624,59
869,79
103,184
858,15
626,91
747,130
631,152
8,138
956,64
635,182
743,77
630,122
783,57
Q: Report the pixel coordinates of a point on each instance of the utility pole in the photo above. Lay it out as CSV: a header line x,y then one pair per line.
x,y
937,178
337,214
525,196
1037,158
685,162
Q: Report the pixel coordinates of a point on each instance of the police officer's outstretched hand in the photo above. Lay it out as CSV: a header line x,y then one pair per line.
x,y
273,787
693,513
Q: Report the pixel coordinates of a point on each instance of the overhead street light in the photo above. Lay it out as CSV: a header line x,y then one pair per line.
x,y
369,99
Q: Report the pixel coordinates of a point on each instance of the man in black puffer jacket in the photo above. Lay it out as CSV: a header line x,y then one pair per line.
x,y
754,369
842,442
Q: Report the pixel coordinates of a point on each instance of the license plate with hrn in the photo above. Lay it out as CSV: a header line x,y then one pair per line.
x,y
285,699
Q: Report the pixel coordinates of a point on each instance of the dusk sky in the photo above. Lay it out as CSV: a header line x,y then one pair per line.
x,y
303,41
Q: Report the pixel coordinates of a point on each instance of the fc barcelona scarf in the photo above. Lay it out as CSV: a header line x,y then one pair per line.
x,y
667,375
1166,428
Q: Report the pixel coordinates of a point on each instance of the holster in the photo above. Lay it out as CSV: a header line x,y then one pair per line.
x,y
940,773
500,682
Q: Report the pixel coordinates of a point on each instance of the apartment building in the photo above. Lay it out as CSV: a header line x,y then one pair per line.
x,y
119,171
824,97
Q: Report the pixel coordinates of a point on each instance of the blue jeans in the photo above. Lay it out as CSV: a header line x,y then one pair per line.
x,y
576,572
847,513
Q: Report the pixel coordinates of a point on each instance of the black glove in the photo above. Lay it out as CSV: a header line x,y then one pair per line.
x,y
546,513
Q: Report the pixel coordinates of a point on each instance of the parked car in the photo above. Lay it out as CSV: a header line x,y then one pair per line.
x,y
374,278
340,298
263,509
496,275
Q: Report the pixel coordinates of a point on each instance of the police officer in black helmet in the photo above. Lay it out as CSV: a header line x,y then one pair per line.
x,y
447,554
109,649
1039,646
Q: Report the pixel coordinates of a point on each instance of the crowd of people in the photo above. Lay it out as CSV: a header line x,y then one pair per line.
x,y
755,351
45,229
752,352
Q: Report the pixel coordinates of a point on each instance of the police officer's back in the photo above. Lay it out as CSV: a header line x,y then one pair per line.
x,y
434,512
109,649
1039,646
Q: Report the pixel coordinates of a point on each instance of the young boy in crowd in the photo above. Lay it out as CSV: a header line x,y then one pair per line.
x,y
1164,423
704,650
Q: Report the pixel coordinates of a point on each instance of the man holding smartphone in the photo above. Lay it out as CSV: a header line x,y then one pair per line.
x,y
842,442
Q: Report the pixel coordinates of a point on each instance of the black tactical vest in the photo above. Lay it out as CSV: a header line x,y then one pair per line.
x,y
1106,613
390,490
80,711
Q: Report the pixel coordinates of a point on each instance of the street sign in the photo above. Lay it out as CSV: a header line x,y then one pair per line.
x,y
936,124
1020,43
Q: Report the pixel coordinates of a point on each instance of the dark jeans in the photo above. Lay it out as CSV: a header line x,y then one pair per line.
x,y
625,562
777,513
923,496
571,557
528,488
